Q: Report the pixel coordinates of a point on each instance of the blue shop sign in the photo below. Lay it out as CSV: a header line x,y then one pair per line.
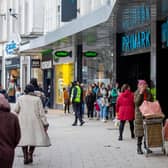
x,y
135,41
164,34
10,47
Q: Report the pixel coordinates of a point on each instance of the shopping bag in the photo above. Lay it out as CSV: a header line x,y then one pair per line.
x,y
116,122
151,109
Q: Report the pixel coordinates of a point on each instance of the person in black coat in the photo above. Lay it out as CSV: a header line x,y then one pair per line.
x,y
89,100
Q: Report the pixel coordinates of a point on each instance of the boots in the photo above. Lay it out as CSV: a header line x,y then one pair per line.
x,y
121,129
25,154
147,149
139,150
30,154
139,144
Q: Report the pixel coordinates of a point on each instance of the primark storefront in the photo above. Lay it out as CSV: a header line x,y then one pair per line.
x,y
142,45
129,40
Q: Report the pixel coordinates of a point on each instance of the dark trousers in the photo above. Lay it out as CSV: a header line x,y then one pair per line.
x,y
66,107
121,127
114,109
78,112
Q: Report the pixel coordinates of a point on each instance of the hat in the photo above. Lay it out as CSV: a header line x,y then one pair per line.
x,y
141,82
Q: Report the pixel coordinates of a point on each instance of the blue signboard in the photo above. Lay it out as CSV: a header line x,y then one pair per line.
x,y
10,47
135,41
135,15
164,36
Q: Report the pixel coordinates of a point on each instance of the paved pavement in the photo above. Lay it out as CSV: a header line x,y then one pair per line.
x,y
94,145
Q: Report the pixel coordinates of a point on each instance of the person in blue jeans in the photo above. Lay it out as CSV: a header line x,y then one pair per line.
x,y
103,108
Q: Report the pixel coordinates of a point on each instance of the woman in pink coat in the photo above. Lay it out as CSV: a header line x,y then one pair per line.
x,y
125,109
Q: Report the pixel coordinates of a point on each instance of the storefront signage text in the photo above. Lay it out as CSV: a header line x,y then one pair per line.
x,y
135,41
10,47
46,64
136,15
63,54
164,37
35,63
90,54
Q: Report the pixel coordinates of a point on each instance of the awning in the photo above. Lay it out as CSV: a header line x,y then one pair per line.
x,y
95,18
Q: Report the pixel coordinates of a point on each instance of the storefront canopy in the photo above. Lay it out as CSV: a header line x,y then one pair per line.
x,y
93,19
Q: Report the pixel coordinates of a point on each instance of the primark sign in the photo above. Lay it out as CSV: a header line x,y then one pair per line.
x,y
135,41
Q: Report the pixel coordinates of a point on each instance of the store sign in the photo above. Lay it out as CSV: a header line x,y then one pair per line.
x,y
90,54
135,15
10,47
46,64
135,41
164,34
35,63
63,53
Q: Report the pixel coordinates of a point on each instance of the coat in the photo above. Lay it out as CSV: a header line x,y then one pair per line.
x,y
9,138
32,121
138,99
125,106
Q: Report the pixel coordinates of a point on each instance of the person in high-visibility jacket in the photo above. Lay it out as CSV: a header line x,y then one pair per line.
x,y
76,101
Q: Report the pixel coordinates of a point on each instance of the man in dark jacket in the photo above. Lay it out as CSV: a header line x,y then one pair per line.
x,y
9,133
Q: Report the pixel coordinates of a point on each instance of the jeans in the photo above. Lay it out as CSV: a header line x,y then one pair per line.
x,y
103,112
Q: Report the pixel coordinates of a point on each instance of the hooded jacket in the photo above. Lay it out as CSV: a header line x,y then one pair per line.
x,y
125,105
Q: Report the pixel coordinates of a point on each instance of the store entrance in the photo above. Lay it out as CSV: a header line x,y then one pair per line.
x,y
134,67
161,84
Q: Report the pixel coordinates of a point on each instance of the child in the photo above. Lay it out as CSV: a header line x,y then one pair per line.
x,y
97,105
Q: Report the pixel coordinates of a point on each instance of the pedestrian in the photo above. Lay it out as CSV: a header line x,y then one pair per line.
x,y
38,91
125,110
114,94
89,100
66,100
33,123
18,92
9,133
76,101
142,93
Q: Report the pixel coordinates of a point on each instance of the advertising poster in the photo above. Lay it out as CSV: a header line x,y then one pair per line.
x,y
64,77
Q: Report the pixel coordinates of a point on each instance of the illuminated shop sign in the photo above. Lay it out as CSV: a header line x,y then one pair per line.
x,y
164,36
135,41
63,53
90,54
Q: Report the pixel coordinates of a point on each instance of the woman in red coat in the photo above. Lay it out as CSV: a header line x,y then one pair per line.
x,y
125,109
9,133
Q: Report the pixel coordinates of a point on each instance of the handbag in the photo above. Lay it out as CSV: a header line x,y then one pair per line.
x,y
151,109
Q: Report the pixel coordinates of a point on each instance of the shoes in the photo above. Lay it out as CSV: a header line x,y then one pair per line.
x,y
82,123
132,136
120,138
148,151
74,124
139,150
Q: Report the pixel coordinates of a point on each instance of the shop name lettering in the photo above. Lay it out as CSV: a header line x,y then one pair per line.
x,y
10,47
139,40
165,34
